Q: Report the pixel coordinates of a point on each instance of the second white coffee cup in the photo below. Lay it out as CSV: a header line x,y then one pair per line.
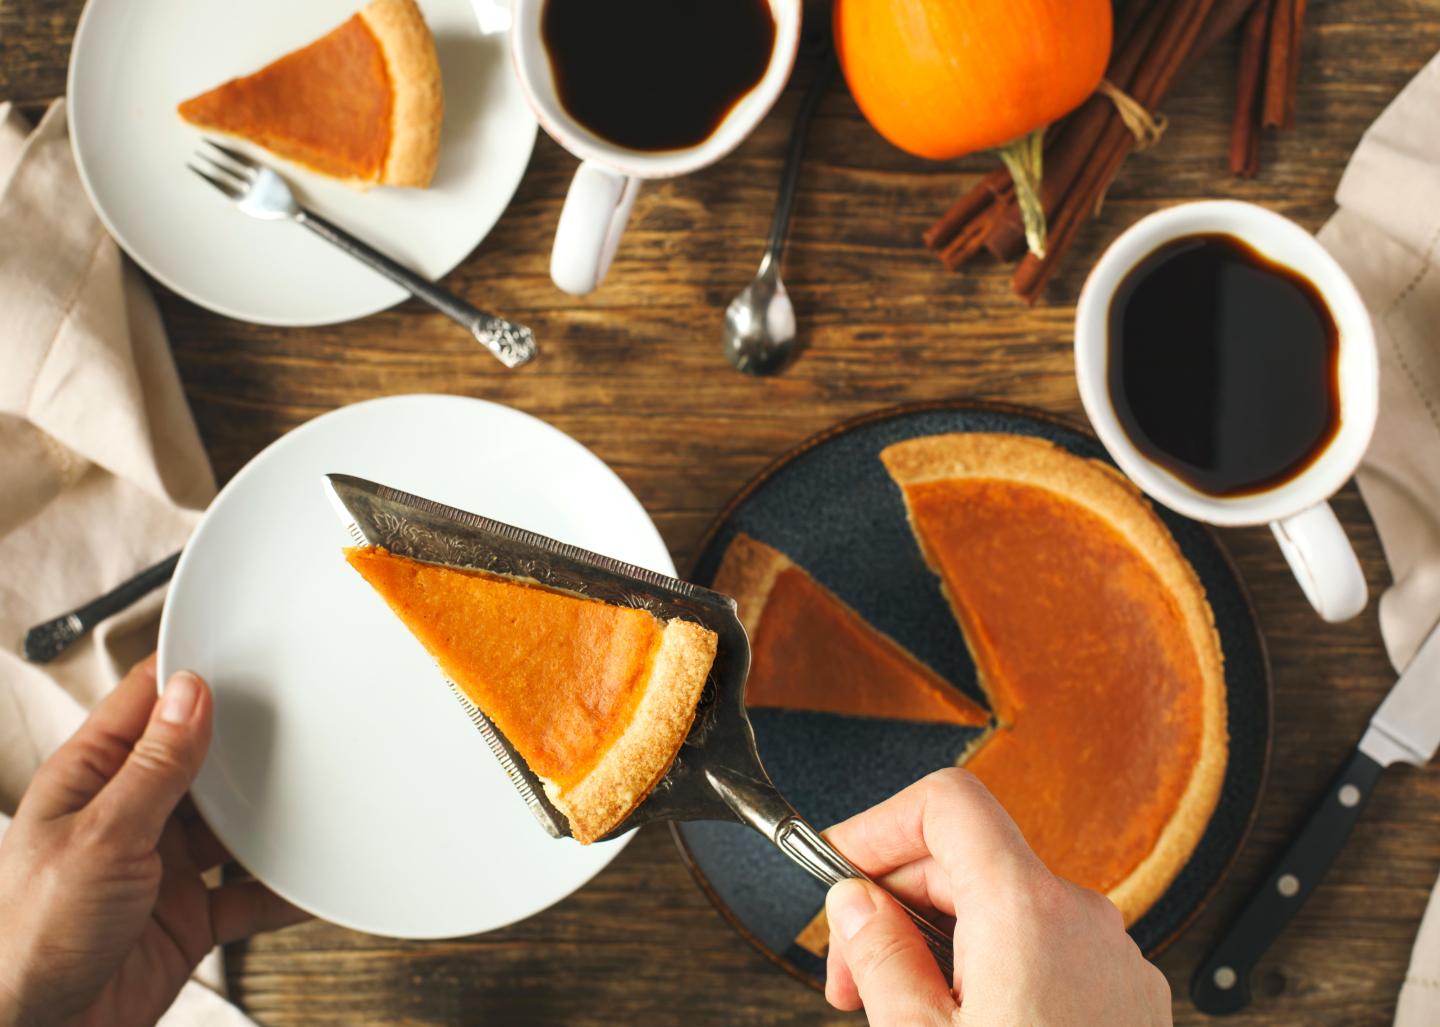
x,y
598,204
1309,534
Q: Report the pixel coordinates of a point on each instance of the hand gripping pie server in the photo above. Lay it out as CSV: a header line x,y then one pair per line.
x,y
717,774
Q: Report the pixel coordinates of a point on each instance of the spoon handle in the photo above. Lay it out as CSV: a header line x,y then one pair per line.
x,y
790,176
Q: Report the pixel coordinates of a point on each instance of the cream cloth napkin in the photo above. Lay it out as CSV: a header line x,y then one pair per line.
x,y
1387,235
101,468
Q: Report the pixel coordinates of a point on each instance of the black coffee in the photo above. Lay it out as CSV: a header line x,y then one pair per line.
x,y
1223,365
655,74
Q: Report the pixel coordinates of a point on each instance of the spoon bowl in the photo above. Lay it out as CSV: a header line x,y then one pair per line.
x,y
760,325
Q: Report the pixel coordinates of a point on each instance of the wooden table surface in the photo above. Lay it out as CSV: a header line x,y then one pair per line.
x,y
635,372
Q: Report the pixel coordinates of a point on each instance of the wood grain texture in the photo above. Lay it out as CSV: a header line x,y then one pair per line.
x,y
635,372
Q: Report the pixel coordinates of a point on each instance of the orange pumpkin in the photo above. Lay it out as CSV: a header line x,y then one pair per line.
x,y
943,78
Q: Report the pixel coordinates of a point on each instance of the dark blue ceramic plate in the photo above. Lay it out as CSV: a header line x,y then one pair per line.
x,y
831,506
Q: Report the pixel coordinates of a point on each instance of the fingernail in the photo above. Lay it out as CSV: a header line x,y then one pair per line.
x,y
178,700
849,908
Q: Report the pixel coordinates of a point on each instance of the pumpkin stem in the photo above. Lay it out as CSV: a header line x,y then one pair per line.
x,y
1025,157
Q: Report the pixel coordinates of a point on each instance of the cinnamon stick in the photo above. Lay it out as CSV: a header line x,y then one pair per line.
x,y
970,239
1223,17
1245,128
1297,27
1277,64
980,196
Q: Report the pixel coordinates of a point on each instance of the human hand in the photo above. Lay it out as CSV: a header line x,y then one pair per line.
x,y
1030,948
104,909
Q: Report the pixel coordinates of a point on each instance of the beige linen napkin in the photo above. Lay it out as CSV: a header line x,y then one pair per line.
x,y
1387,235
101,469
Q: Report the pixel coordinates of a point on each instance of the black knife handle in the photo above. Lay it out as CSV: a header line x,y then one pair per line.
x,y
1222,983
45,642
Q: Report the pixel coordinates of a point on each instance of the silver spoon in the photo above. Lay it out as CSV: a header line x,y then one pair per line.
x,y
760,321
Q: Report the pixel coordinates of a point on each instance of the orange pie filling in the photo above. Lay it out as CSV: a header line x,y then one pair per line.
x,y
327,106
1087,661
596,698
812,652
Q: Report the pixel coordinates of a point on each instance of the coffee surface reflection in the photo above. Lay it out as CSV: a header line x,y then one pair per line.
x,y
1223,365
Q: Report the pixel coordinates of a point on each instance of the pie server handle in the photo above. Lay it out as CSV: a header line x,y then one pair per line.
x,y
1222,982
803,844
763,808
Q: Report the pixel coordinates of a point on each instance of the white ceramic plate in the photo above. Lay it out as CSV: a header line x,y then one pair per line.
x,y
343,773
134,60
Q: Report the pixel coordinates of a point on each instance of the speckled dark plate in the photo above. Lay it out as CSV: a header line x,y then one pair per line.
x,y
830,505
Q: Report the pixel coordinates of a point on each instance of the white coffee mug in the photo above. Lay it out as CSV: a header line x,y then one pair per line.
x,y
1310,536
604,188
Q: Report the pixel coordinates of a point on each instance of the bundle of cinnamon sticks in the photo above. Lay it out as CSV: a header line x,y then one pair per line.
x,y
1265,84
1156,41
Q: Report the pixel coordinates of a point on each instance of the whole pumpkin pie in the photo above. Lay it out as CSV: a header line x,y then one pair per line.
x,y
1095,645
362,103
1092,637
810,651
596,698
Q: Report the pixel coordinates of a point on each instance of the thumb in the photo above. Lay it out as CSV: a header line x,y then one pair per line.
x,y
894,972
138,800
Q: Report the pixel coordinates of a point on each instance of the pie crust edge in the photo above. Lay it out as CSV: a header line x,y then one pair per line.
x,y
1106,493
417,97
639,758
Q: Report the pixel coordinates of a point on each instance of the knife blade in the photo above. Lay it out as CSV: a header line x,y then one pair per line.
x,y
1405,728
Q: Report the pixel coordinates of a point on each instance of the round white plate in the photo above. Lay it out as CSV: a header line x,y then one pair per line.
x,y
134,60
342,772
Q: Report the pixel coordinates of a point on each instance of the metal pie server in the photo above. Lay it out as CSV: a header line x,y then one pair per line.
x,y
717,774
1405,729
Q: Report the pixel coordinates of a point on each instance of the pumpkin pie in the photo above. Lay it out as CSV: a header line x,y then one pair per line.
x,y
810,651
596,698
362,104
1095,645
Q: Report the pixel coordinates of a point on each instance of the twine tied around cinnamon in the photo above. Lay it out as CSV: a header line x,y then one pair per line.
x,y
1145,127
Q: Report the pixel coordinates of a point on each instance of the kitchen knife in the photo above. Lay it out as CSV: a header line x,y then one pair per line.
x,y
1405,729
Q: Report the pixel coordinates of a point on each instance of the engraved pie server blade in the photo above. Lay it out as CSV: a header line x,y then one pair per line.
x,y
717,775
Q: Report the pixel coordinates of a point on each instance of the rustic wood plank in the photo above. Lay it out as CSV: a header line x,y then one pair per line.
x,y
634,372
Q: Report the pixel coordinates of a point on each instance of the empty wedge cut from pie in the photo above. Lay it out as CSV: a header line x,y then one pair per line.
x,y
810,651
596,698
362,104
1095,645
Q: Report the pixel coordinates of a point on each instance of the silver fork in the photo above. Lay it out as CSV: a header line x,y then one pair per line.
x,y
260,192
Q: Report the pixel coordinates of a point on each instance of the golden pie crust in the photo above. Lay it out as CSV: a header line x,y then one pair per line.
x,y
1095,645
596,698
363,103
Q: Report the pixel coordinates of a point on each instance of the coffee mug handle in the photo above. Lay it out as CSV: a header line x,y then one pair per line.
x,y
591,224
1324,562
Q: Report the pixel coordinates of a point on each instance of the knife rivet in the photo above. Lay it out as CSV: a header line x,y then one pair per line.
x,y
1288,885
1225,977
1349,795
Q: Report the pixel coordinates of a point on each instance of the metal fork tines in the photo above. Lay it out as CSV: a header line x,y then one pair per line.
x,y
262,193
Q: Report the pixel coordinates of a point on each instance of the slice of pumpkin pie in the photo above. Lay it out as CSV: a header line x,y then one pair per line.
x,y
362,103
596,698
810,651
